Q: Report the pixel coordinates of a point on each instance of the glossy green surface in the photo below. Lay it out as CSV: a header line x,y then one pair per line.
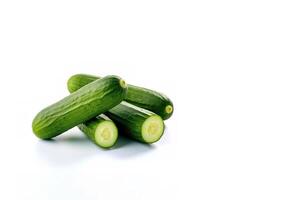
x,y
80,106
142,97
130,120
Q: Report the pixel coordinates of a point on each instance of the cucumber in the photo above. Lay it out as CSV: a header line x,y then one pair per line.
x,y
101,130
80,106
137,123
141,97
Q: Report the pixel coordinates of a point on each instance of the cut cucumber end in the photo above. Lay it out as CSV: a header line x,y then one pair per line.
x,y
152,129
123,83
106,134
169,109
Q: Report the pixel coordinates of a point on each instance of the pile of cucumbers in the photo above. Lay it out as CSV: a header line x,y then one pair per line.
x,y
103,108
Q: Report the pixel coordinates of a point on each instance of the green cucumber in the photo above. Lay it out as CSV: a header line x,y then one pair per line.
x,y
141,97
101,130
137,123
80,106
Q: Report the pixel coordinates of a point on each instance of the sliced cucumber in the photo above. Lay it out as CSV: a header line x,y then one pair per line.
x,y
101,130
137,123
152,129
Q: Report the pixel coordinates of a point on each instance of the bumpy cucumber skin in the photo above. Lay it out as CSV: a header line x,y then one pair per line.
x,y
80,106
150,100
79,80
130,119
142,97
89,129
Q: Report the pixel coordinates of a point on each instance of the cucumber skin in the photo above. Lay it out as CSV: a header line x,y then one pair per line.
x,y
130,119
80,106
89,128
142,97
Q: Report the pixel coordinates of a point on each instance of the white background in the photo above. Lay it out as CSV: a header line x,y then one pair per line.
x,y
230,67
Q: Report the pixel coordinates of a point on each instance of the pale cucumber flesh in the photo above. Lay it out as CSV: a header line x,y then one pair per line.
x,y
101,130
106,134
152,129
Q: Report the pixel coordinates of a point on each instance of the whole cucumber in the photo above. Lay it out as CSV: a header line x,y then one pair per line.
x,y
141,97
80,106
